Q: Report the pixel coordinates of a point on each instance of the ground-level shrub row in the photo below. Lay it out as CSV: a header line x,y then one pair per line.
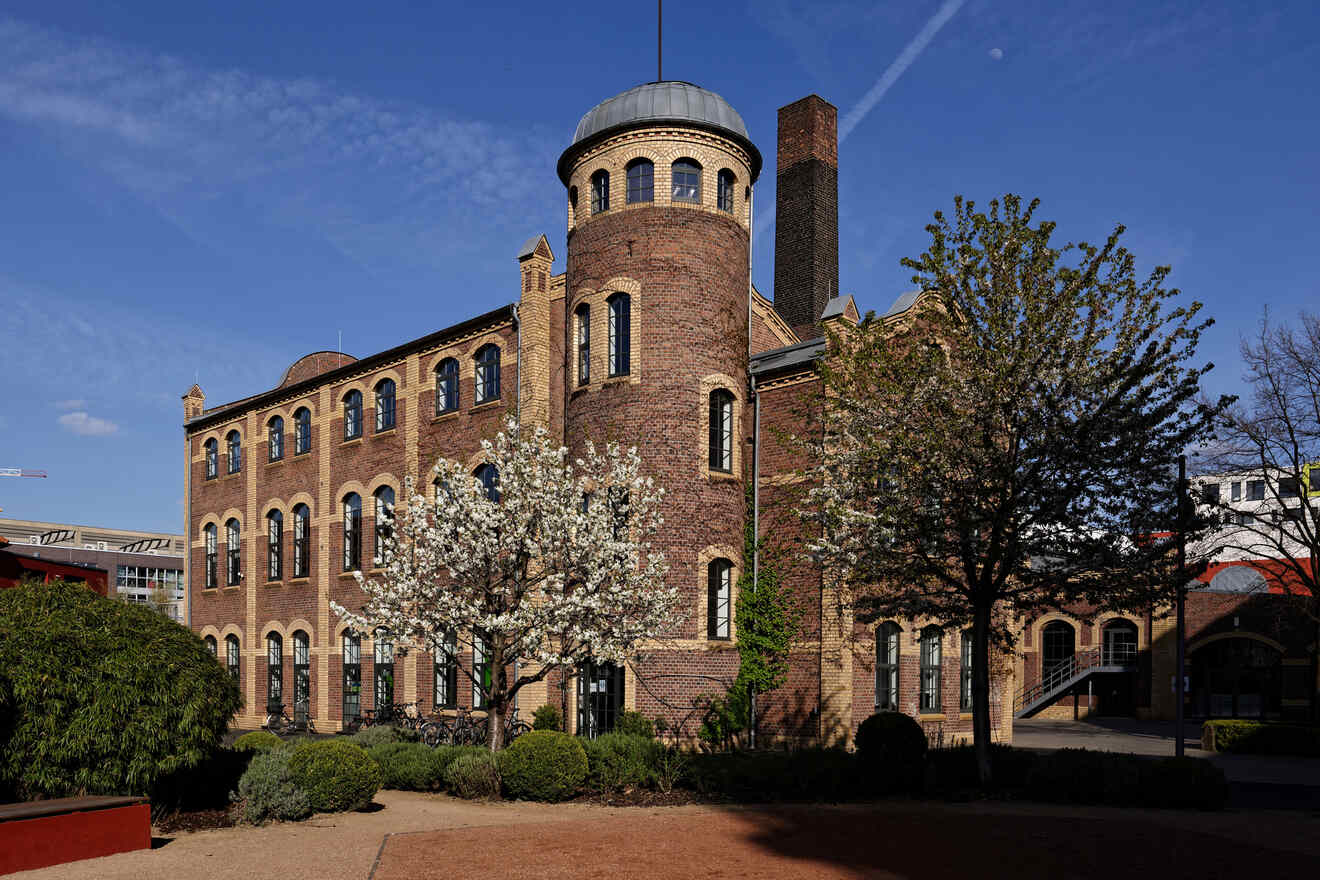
x,y
1260,738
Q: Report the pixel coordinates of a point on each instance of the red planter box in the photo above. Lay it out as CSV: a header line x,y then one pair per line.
x,y
41,833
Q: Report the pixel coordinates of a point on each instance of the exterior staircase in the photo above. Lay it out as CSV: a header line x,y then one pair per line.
x,y
1058,681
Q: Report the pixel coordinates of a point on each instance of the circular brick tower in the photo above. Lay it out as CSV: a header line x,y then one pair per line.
x,y
659,184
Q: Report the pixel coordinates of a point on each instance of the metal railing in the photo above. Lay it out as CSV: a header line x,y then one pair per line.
x,y
1066,672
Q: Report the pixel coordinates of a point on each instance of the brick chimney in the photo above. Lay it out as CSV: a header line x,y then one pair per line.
x,y
807,212
194,403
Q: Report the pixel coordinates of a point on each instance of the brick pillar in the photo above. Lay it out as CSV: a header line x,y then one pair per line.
x,y
806,212
534,264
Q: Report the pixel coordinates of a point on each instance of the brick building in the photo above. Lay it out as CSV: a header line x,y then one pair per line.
x,y
652,335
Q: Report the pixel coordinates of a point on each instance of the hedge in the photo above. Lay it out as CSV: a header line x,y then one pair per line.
x,y
892,749
544,765
621,760
410,766
337,776
1084,777
1260,738
762,776
257,741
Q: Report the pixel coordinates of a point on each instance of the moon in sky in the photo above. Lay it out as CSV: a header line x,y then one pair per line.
x,y
997,53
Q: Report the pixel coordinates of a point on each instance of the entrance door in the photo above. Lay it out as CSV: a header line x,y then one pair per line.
x,y
1236,678
600,697
1057,647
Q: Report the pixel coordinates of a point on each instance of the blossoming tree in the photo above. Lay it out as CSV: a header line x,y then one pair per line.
x,y
544,564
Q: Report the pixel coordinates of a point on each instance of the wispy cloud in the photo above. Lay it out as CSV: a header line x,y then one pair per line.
x,y
87,425
75,403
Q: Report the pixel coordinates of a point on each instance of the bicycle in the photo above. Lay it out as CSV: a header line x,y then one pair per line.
x,y
279,723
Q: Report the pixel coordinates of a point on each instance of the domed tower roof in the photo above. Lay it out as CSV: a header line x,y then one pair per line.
x,y
660,102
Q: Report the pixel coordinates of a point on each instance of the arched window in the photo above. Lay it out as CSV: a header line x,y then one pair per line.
x,y
302,431
446,386
721,431
719,589
274,545
641,181
1120,643
302,528
352,415
231,657
686,175
886,666
234,450
275,439
211,645
572,197
384,497
583,319
384,671
488,373
352,532
233,554
384,405
932,678
446,672
965,671
352,666
726,182
212,459
302,676
489,476
480,672
1057,645
600,191
620,341
274,672
211,554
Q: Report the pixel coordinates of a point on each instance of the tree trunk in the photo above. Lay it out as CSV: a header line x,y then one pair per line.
x,y
981,693
498,699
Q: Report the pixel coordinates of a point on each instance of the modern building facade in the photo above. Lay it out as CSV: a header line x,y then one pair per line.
x,y
653,335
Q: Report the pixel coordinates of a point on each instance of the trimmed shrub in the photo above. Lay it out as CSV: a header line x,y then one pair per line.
x,y
547,717
474,774
619,760
1085,777
336,775
206,786
379,734
268,791
544,765
891,747
257,741
954,770
765,776
632,723
1187,783
103,696
1260,738
409,766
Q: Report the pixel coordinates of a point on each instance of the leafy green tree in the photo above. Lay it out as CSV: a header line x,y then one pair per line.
x,y
1006,445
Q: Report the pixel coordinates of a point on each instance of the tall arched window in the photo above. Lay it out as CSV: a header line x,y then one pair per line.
x,y
384,405
211,646
384,671
719,589
583,319
1058,644
620,341
886,666
446,386
212,458
932,668
352,532
211,553
352,667
721,430
600,191
302,431
686,178
274,545
234,450
641,181
302,533
726,182
275,439
384,498
489,476
233,554
232,657
274,672
488,373
480,672
1120,643
446,672
302,676
965,672
352,415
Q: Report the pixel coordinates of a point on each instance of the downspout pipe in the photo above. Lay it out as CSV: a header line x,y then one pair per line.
x,y
517,326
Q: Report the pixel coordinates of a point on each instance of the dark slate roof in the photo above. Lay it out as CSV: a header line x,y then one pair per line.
x,y
789,356
836,307
529,246
903,303
669,101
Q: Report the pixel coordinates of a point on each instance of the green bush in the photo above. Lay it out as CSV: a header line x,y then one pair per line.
x,y
1260,738
954,770
474,774
764,776
891,747
544,765
1186,783
204,786
379,734
410,766
336,775
103,696
268,790
620,760
1085,777
547,717
632,723
257,741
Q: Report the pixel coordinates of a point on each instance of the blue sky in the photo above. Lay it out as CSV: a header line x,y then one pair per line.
x,y
212,190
